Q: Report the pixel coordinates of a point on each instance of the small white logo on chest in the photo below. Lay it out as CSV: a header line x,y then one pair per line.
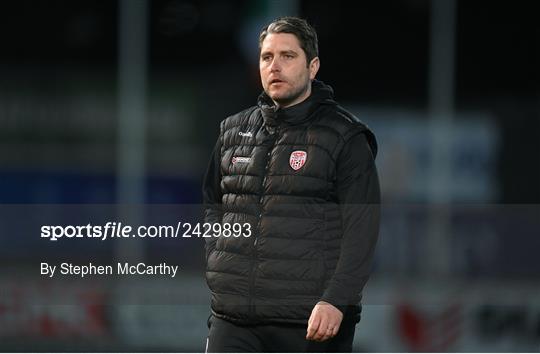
x,y
298,159
240,159
248,134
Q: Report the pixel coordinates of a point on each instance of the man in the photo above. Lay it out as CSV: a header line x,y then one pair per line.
x,y
297,172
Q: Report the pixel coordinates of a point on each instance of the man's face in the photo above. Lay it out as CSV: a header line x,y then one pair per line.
x,y
285,75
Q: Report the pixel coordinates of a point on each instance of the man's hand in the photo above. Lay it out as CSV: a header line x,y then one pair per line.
x,y
324,322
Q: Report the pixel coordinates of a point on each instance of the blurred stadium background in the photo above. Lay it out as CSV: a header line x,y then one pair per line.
x,y
119,103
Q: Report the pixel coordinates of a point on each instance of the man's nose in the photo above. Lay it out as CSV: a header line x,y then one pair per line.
x,y
275,66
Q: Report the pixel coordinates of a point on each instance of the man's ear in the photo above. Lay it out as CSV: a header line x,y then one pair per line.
x,y
314,67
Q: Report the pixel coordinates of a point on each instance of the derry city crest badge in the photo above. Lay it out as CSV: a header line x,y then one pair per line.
x,y
298,159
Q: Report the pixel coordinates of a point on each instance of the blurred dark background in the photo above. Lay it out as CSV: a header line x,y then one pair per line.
x,y
59,84
111,102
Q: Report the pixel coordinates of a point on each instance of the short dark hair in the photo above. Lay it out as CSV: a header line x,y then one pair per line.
x,y
300,28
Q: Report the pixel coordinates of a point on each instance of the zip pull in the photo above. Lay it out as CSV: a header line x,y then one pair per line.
x,y
270,129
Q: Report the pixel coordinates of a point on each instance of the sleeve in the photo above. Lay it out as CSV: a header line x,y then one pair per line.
x,y
359,198
212,194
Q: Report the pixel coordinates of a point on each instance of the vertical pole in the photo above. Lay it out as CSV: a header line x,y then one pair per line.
x,y
441,111
131,148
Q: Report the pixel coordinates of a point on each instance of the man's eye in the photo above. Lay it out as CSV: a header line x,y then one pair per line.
x,y
265,58
288,56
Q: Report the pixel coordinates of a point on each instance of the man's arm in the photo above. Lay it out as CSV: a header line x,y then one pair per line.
x,y
359,199
212,194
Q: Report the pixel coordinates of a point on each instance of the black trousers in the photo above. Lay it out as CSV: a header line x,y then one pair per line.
x,y
226,337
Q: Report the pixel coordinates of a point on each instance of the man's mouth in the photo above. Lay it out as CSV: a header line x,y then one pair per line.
x,y
276,81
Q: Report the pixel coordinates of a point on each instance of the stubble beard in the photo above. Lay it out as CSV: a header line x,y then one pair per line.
x,y
290,97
